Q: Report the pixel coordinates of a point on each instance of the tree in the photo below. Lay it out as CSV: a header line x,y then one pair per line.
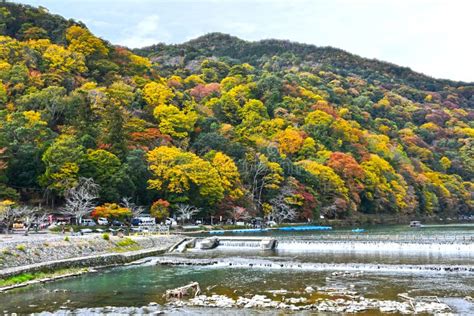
x,y
156,94
31,216
5,191
263,176
228,174
290,141
111,211
80,199
62,162
106,170
350,171
186,211
82,41
173,121
330,187
160,209
183,176
281,210
239,213
384,188
63,60
135,210
8,213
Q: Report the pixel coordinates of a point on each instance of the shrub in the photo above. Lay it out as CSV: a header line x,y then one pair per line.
x,y
21,248
111,210
106,236
126,242
160,209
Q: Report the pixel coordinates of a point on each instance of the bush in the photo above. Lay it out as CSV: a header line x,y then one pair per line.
x,y
106,236
66,238
126,242
21,248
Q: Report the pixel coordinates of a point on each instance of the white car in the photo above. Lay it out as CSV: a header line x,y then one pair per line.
x,y
271,223
88,222
171,222
102,221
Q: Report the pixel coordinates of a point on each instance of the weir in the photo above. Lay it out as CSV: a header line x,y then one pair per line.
x,y
284,244
261,243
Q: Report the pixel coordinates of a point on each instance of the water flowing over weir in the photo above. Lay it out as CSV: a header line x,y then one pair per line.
x,y
375,246
351,244
239,244
348,268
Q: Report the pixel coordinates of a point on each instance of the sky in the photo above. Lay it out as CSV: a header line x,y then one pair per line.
x,y
434,37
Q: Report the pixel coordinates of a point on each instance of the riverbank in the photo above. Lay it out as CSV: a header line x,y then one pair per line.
x,y
49,253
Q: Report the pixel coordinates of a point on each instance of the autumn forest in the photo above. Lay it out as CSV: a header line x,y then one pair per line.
x,y
226,125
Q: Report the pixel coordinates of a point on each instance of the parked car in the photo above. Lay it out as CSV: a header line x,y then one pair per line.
x,y
147,221
117,223
102,221
18,225
171,222
88,222
271,223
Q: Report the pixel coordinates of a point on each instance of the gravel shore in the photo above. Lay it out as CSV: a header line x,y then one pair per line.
x,y
19,250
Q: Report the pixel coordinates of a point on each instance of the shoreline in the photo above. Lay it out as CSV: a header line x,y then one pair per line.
x,y
89,252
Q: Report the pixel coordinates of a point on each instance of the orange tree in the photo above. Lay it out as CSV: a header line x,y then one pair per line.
x,y
111,211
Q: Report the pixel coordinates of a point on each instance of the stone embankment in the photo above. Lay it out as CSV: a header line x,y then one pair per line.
x,y
32,254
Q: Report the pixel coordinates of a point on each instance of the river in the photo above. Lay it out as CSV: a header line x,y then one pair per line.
x,y
240,271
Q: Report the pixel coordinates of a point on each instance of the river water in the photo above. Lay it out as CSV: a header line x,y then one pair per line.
x,y
243,271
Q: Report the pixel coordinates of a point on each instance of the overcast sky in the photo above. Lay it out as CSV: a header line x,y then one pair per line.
x,y
435,37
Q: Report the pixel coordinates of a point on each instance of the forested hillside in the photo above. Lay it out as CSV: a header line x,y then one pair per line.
x,y
235,128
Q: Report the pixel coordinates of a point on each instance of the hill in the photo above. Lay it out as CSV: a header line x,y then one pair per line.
x,y
235,128
302,55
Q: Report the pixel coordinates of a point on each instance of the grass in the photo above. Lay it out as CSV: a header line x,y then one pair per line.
x,y
126,244
25,277
17,279
21,248
126,249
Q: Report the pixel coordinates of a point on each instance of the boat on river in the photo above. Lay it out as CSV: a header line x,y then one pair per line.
x,y
415,224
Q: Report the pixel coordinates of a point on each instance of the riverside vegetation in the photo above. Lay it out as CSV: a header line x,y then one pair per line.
x,y
238,129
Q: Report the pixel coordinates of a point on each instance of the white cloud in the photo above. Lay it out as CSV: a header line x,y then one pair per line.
x,y
146,32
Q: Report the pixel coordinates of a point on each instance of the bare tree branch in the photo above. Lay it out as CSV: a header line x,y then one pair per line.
x,y
80,199
186,211
281,211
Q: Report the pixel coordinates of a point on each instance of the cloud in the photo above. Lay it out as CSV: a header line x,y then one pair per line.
x,y
146,32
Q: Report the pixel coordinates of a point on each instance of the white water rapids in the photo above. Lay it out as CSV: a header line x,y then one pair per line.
x,y
268,264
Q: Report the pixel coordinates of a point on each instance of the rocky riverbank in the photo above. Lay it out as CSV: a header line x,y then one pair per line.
x,y
21,253
340,305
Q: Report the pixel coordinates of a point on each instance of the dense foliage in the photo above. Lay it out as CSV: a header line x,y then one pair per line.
x,y
232,127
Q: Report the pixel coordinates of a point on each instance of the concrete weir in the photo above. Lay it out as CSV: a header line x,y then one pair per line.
x,y
255,242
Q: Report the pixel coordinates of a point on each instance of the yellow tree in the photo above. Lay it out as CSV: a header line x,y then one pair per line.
x,y
229,174
383,186
183,176
289,141
63,60
82,41
175,122
331,185
156,94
